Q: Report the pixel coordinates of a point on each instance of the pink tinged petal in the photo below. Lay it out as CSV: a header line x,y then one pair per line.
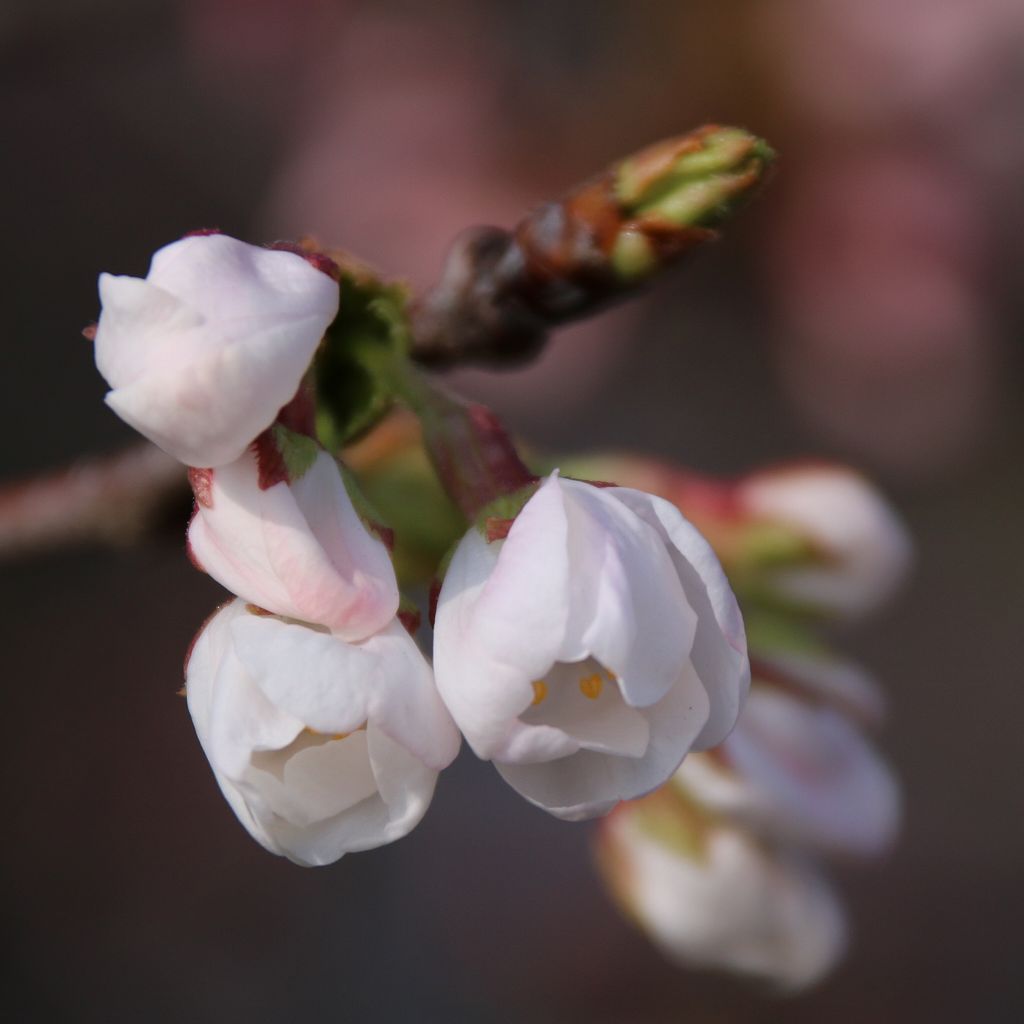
x,y
628,608
588,784
719,651
356,557
203,354
261,545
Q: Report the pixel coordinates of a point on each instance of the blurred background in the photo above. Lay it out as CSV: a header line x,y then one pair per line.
x,y
869,308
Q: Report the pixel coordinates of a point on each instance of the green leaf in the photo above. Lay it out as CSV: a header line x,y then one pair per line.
x,y
353,386
298,451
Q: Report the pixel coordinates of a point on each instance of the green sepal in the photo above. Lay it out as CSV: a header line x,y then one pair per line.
x,y
773,632
671,818
353,386
298,451
507,506
424,518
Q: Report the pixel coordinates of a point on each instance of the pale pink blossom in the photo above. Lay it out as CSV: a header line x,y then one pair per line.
x,y
296,548
587,652
202,353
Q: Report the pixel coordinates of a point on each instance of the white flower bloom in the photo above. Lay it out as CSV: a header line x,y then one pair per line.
x,y
321,747
202,354
590,650
862,549
802,772
297,548
729,902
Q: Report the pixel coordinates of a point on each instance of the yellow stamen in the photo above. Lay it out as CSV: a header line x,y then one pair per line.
x,y
540,690
590,686
612,677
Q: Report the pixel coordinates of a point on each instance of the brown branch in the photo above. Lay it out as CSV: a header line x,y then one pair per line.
x,y
500,294
502,291
121,499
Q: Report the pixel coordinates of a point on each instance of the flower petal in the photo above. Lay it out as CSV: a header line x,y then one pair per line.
x,y
719,651
298,550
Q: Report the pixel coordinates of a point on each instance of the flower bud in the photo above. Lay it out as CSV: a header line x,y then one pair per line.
x,y
798,771
202,353
321,747
589,649
857,551
290,541
710,895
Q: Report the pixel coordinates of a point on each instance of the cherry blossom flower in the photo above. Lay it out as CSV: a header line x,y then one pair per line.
x,y
801,771
590,649
202,353
292,543
860,550
321,747
711,895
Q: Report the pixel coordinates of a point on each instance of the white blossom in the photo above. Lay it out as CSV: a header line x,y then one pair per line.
x,y
321,747
587,652
202,353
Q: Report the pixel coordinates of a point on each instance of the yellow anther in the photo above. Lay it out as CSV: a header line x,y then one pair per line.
x,y
540,690
590,686
612,677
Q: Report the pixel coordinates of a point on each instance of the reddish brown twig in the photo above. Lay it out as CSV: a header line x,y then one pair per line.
x,y
120,499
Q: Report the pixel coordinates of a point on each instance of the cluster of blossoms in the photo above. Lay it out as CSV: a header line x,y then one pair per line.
x,y
586,635
720,866
586,638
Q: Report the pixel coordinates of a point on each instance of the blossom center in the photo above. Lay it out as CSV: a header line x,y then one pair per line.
x,y
582,699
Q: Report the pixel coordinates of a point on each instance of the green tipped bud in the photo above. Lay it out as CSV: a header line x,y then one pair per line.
x,y
693,180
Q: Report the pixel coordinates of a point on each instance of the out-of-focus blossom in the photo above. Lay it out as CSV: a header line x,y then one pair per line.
x,y
711,895
798,771
858,551
292,544
587,652
321,747
815,535
203,353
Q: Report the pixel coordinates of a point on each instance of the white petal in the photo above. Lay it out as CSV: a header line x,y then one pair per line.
x,y
587,784
203,354
738,906
628,608
500,621
802,773
719,649
297,550
605,723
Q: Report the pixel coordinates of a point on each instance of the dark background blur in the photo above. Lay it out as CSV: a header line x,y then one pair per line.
x,y
868,308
